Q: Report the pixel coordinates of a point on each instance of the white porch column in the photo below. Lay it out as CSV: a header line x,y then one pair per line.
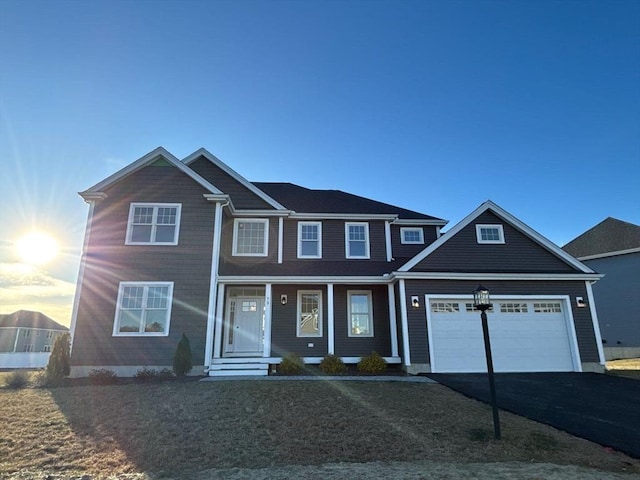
x,y
217,337
330,320
266,347
213,285
280,238
387,238
405,325
393,323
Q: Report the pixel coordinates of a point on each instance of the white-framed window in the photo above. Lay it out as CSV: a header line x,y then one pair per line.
x,y
46,348
153,224
309,240
490,234
514,308
547,307
411,235
143,308
360,313
251,237
309,313
26,333
356,237
28,347
468,307
50,334
445,307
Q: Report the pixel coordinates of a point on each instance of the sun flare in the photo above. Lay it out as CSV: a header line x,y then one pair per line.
x,y
37,248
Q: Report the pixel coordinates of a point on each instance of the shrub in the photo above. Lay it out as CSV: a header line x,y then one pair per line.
x,y
182,358
102,376
372,364
292,364
17,379
40,379
165,374
59,365
147,375
332,365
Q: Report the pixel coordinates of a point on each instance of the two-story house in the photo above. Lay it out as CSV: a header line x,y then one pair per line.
x,y
253,271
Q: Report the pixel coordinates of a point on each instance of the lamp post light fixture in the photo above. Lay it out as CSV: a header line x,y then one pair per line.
x,y
481,301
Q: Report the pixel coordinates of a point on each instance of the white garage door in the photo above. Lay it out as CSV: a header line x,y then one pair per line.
x,y
526,336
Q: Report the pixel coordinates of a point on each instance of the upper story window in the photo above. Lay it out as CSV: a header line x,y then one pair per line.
x,y
143,309
490,233
250,237
153,224
309,313
357,240
309,240
411,235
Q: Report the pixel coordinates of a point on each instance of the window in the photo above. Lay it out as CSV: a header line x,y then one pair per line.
x,y
490,234
309,240
550,307
26,333
50,334
357,240
46,348
153,224
309,313
445,307
143,309
250,237
468,307
513,308
28,347
411,235
360,313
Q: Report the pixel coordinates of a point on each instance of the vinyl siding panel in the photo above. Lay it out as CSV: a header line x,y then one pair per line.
x,y
402,250
462,253
417,319
238,265
109,261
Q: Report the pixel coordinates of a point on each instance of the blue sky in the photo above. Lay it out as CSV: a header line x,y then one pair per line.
x,y
434,106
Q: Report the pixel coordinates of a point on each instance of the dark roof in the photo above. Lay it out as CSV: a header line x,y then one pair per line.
x,y
305,200
28,319
610,235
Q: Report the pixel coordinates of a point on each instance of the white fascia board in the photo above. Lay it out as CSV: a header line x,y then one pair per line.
x,y
143,161
507,217
202,152
610,254
496,276
248,280
260,213
342,216
408,221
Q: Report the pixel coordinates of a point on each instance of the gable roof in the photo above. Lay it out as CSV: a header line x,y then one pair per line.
x,y
29,319
201,152
507,217
609,236
149,158
305,200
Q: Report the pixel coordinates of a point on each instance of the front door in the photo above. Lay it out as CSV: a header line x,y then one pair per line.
x,y
245,326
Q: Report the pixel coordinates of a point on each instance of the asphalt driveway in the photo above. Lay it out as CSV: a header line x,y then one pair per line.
x,y
601,408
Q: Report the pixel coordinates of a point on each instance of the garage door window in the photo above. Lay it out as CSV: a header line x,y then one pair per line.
x,y
469,308
445,307
547,307
513,308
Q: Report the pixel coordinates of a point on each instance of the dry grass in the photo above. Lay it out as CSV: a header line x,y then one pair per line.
x,y
628,367
180,429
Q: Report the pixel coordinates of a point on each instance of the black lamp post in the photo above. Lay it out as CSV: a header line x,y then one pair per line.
x,y
482,302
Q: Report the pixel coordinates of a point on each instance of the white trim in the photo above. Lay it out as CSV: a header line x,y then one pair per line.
x,y
567,312
595,321
507,217
116,324
498,227
331,340
201,152
320,333
213,283
252,280
387,240
367,244
154,224
343,216
414,222
610,254
266,334
81,270
217,336
142,162
495,276
406,350
319,253
408,229
393,322
280,238
370,322
265,222
258,213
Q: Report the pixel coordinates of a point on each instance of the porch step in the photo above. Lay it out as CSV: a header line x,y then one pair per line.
x,y
238,369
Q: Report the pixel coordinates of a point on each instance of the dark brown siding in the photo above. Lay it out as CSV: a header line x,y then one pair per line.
x,y
109,261
230,265
462,253
241,196
402,250
417,319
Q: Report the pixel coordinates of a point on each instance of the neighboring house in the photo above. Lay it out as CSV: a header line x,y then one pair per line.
x,y
253,271
26,339
612,248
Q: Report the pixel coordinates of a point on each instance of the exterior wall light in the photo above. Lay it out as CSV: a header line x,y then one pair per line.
x,y
283,299
415,301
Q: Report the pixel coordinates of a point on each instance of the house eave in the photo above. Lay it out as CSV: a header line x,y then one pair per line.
x,y
496,276
610,254
252,280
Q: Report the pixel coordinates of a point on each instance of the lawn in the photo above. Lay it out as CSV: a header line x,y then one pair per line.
x,y
180,429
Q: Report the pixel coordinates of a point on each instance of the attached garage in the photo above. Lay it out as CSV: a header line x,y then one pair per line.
x,y
528,334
